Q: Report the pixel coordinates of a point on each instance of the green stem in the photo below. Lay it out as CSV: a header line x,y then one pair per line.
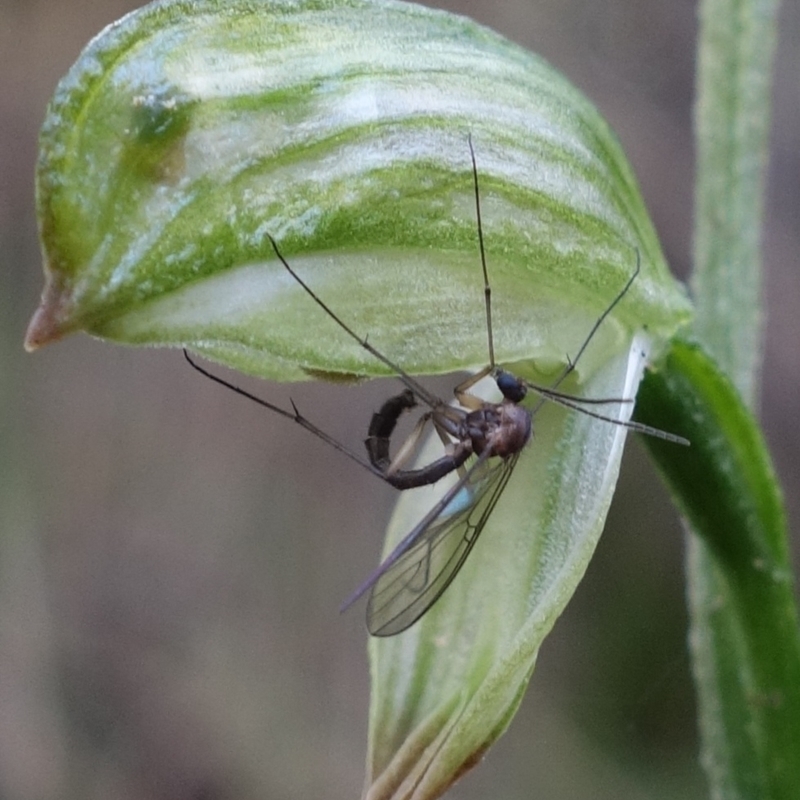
x,y
732,116
745,756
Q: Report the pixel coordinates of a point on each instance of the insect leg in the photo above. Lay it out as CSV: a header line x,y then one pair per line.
x,y
487,289
413,385
294,416
461,391
573,362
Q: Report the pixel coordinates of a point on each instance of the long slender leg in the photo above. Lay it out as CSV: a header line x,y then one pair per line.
x,y
294,416
461,391
487,289
573,362
413,385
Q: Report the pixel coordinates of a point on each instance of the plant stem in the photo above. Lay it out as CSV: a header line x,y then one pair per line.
x,y
732,116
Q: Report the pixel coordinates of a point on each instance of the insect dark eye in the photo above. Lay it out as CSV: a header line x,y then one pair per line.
x,y
513,388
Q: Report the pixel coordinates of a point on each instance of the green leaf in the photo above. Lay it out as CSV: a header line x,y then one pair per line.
x,y
188,132
750,649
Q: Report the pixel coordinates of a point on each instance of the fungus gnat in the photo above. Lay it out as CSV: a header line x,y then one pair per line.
x,y
482,444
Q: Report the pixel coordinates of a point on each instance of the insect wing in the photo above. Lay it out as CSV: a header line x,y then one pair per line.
x,y
410,582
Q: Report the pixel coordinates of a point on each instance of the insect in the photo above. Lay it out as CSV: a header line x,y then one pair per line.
x,y
482,440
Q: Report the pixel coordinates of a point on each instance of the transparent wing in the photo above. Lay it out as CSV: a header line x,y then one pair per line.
x,y
423,565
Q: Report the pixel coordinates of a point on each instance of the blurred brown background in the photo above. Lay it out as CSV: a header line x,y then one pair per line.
x,y
172,558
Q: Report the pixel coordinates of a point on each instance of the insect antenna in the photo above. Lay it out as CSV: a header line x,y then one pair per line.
x,y
636,427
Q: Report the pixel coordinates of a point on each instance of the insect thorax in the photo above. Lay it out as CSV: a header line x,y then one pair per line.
x,y
505,428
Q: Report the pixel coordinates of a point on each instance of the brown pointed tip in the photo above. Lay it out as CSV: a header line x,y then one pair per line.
x,y
51,321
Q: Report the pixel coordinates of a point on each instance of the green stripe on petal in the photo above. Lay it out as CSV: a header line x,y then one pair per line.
x,y
188,131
